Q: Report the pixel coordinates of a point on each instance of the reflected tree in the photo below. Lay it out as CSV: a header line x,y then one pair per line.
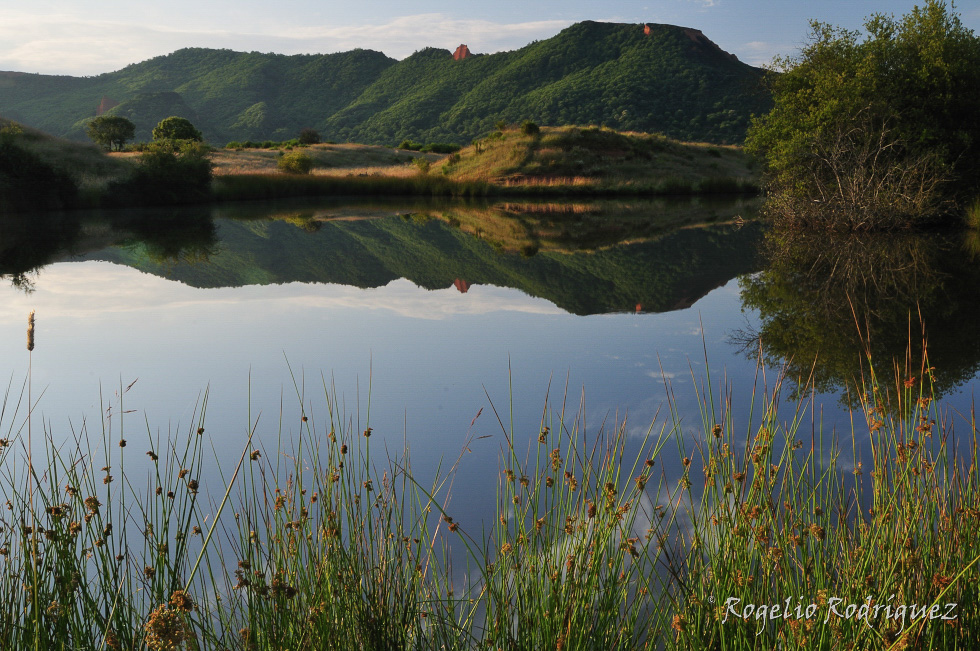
x,y
28,241
828,302
179,236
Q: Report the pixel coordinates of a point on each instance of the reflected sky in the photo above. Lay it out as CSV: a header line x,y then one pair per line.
x,y
430,357
417,364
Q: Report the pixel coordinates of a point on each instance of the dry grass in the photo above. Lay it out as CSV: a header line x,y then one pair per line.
x,y
87,164
599,158
329,160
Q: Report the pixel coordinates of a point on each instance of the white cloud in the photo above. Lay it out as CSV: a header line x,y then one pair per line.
x,y
403,35
68,44
760,53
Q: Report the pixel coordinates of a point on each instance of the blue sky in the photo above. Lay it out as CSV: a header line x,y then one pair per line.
x,y
88,37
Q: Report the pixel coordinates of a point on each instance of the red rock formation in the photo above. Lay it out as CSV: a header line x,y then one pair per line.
x,y
461,285
105,105
461,53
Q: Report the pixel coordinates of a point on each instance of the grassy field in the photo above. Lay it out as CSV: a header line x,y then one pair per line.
x,y
86,164
600,158
554,162
329,160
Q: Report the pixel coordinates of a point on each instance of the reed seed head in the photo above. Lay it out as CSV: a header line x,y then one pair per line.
x,y
30,331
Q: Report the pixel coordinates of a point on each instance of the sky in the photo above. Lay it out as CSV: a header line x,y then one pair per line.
x,y
88,37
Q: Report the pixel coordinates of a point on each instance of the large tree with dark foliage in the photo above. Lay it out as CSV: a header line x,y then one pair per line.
x,y
874,133
176,128
111,130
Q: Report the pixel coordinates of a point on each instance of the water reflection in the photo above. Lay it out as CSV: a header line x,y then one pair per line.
x,y
825,302
586,258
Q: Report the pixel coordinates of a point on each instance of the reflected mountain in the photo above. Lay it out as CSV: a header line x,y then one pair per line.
x,y
587,258
826,302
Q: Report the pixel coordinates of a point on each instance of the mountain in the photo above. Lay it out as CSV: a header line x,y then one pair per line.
x,y
652,78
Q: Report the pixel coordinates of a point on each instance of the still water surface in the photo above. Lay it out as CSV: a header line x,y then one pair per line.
x,y
431,313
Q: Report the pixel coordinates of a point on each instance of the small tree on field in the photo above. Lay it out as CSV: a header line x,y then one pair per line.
x,y
176,128
111,130
309,137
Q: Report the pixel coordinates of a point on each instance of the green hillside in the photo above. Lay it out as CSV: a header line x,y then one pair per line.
x,y
585,258
672,80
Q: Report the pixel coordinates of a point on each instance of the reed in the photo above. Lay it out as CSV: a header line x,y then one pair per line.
x,y
756,534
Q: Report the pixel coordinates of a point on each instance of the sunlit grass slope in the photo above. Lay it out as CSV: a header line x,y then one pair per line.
x,y
602,158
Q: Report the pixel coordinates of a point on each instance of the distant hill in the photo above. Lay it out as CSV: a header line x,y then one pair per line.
x,y
651,78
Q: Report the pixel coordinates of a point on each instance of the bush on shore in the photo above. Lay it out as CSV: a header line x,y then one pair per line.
x,y
874,134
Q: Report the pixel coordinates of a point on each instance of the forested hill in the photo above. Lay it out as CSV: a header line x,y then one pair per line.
x,y
656,78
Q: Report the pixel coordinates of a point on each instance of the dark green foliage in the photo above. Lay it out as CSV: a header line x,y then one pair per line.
x,y
308,136
440,148
147,110
529,128
28,183
874,133
168,172
673,81
111,130
176,128
267,144
409,145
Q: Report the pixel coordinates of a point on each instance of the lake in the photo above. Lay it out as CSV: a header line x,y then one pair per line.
x,y
420,316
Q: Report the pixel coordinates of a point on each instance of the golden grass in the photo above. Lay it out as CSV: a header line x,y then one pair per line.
x,y
330,160
580,157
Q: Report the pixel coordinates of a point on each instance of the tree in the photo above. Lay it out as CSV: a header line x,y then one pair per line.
x,y
176,128
309,136
874,133
109,130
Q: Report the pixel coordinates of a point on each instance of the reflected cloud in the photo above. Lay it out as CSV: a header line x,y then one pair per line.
x,y
78,290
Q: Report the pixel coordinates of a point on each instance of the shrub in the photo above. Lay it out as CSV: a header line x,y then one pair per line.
x,y
410,145
309,136
168,172
422,164
530,128
295,163
441,148
29,183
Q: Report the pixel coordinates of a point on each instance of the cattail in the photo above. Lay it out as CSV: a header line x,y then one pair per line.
x,y
30,331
